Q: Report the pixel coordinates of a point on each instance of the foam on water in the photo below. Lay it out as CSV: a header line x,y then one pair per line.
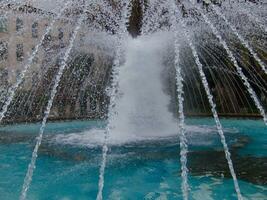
x,y
197,136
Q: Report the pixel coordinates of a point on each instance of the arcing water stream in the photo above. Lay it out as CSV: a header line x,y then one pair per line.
x,y
238,68
215,116
122,34
243,41
180,93
63,64
213,109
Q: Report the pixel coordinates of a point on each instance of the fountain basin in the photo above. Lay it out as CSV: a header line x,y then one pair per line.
x,y
143,169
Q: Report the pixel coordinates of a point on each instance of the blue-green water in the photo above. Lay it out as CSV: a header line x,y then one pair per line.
x,y
142,170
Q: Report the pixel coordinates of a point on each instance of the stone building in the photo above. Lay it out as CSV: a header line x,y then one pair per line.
x,y
21,29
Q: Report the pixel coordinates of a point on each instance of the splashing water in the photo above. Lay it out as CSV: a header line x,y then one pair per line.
x,y
63,64
243,41
150,19
142,105
256,19
154,16
238,68
122,33
247,10
213,109
107,10
179,84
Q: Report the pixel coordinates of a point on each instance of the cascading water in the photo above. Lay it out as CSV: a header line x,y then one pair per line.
x,y
238,68
256,19
150,18
253,16
122,33
107,11
243,41
141,87
154,17
214,111
63,64
180,92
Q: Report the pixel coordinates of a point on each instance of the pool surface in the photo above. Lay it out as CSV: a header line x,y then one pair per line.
x,y
68,163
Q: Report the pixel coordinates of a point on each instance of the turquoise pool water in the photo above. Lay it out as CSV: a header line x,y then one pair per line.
x,y
67,168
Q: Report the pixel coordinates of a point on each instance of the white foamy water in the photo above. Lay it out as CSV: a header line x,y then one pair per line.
x,y
141,111
197,135
142,107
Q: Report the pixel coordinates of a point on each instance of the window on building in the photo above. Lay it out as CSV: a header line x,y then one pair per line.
x,y
60,34
3,24
47,41
60,37
19,24
35,30
19,52
3,50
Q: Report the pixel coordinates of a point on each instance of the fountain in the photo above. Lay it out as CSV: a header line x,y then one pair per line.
x,y
138,81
